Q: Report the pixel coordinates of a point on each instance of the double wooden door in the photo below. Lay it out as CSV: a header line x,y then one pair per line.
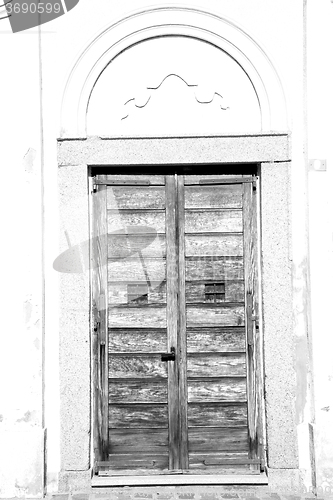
x,y
177,370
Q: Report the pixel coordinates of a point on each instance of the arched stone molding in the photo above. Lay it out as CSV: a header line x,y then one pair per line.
x,y
164,21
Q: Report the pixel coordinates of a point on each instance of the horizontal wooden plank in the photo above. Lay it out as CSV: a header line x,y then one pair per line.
x,y
137,269
226,221
216,365
138,440
216,339
152,317
118,293
215,316
197,477
133,366
139,197
214,196
214,245
214,268
138,391
130,221
152,179
224,415
212,390
122,246
195,292
140,415
128,462
207,461
137,340
217,439
200,179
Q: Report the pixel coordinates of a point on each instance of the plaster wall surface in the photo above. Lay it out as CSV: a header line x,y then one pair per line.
x,y
320,146
278,28
21,352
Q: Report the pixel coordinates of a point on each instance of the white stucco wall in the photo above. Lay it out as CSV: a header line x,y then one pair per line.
x,y
26,152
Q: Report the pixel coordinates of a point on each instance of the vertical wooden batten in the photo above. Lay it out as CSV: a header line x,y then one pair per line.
x,y
182,327
99,316
254,382
172,318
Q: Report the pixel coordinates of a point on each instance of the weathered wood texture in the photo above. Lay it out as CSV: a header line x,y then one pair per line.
x,y
216,339
137,317
182,294
213,196
99,322
137,269
132,366
123,246
137,340
226,221
138,197
216,365
223,415
118,294
135,179
219,315
138,391
127,220
172,322
214,268
214,245
217,439
139,415
195,292
125,462
138,440
216,390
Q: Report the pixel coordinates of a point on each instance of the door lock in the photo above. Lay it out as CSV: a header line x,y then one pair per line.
x,y
169,356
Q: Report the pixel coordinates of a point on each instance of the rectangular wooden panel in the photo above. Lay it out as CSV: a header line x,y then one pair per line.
x,y
140,415
124,246
226,221
125,462
118,293
137,269
139,197
138,391
136,366
216,390
137,340
215,316
136,317
195,292
99,310
129,220
213,196
217,439
214,245
214,268
236,459
224,415
216,339
135,179
216,365
138,440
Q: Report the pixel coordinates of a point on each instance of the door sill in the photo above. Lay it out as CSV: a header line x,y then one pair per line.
x,y
178,479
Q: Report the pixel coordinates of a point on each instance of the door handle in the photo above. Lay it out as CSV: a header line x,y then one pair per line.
x,y
169,356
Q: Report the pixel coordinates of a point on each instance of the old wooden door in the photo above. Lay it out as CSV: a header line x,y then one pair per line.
x,y
176,347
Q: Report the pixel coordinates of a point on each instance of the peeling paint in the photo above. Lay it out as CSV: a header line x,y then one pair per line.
x,y
301,374
27,417
28,160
